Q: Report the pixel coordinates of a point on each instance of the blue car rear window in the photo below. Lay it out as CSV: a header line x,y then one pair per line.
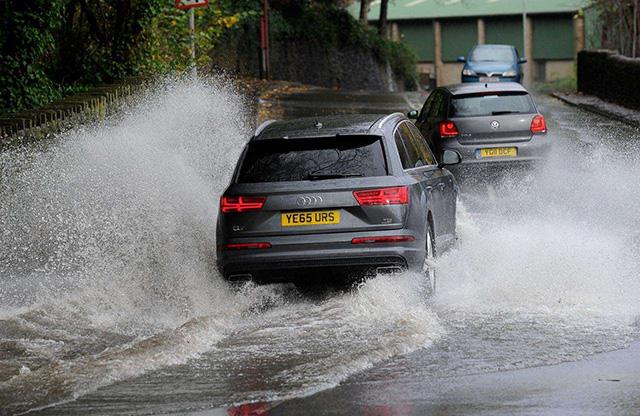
x,y
488,54
491,103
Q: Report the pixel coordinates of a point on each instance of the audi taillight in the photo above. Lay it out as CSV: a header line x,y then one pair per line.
x,y
241,203
538,124
448,129
398,195
383,239
246,246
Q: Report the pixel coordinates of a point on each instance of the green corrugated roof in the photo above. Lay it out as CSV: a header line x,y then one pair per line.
x,y
433,9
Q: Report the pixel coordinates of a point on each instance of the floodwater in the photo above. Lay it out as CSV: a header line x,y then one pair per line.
x,y
110,302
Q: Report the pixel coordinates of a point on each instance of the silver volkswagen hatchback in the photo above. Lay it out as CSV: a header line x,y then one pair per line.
x,y
486,123
339,196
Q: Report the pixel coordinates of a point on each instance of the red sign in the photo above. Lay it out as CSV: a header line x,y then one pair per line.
x,y
190,4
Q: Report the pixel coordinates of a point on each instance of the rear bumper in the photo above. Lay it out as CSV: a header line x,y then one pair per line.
x,y
535,150
297,258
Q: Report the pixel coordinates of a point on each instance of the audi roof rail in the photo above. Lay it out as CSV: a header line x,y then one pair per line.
x,y
263,126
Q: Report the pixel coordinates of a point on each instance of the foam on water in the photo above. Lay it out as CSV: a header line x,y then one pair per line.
x,y
307,346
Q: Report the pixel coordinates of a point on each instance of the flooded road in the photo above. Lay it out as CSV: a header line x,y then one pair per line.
x,y
110,302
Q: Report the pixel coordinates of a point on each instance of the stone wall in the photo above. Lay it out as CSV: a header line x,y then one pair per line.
x,y
349,67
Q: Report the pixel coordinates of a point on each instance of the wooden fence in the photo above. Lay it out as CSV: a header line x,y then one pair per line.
x,y
67,112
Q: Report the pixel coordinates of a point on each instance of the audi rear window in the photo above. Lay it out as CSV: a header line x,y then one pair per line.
x,y
313,159
491,104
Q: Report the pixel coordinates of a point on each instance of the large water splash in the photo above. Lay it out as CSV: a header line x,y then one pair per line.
x,y
121,215
562,239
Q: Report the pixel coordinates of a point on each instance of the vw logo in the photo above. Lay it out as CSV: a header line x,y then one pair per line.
x,y
495,124
307,201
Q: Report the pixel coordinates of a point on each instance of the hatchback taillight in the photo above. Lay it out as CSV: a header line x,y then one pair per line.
x,y
448,129
538,124
398,195
241,203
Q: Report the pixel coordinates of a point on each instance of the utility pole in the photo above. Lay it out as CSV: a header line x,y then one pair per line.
x,y
524,25
192,36
191,25
634,46
528,77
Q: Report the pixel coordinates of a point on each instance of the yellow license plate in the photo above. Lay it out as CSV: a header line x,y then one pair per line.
x,y
293,219
499,152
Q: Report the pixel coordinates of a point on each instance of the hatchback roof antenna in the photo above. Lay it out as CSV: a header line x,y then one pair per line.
x,y
486,85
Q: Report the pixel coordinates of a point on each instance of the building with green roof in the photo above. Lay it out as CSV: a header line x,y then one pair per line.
x,y
549,33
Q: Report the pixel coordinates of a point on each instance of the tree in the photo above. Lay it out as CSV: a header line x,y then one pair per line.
x,y
364,11
382,21
619,20
26,39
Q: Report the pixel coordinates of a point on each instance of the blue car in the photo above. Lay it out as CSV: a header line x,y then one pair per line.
x,y
492,63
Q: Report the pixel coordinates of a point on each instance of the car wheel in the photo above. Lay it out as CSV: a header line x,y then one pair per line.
x,y
428,269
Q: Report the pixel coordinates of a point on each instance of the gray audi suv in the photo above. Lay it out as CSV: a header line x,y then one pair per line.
x,y
487,123
337,196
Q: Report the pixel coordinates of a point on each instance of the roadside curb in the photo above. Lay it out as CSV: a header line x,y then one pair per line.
x,y
597,106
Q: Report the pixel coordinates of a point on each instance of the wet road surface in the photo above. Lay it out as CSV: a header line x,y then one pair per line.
x,y
542,285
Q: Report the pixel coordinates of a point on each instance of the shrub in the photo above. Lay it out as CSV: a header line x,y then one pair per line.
x,y
610,76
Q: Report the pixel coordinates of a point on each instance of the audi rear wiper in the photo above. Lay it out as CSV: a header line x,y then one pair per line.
x,y
321,176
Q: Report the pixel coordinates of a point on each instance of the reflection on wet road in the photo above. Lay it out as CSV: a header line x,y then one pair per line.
x,y
545,272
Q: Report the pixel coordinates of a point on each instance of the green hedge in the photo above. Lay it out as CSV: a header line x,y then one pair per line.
x,y
610,76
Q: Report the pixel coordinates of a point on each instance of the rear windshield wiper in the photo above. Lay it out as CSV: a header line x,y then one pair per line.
x,y
498,113
321,176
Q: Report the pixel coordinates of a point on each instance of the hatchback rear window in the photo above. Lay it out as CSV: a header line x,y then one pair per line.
x,y
491,104
492,54
313,159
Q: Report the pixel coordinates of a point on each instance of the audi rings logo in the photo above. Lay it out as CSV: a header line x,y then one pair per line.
x,y
495,124
308,201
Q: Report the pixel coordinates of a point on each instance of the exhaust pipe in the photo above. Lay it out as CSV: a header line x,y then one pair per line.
x,y
240,277
388,270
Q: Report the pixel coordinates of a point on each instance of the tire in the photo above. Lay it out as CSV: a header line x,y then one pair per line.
x,y
428,270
